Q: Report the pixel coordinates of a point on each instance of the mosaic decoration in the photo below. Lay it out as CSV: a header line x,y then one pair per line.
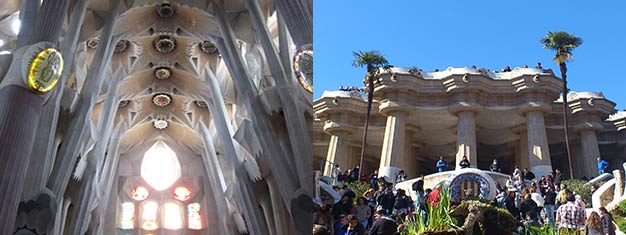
x,y
161,100
200,104
162,73
93,43
160,124
121,45
194,219
172,218
456,185
208,47
127,219
149,216
45,70
165,10
303,67
165,44
182,194
139,193
123,103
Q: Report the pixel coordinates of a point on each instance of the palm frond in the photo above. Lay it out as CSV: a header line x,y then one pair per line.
x,y
562,43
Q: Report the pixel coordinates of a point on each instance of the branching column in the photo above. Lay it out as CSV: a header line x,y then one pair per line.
x,y
466,138
538,152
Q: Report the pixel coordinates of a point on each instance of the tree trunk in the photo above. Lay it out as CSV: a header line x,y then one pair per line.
x,y
370,98
563,68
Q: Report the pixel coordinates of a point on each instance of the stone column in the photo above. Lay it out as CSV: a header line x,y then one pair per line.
x,y
393,151
410,164
590,150
466,138
338,152
538,152
521,155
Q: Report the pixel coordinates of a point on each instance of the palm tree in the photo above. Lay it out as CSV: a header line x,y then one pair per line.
x,y
563,43
374,61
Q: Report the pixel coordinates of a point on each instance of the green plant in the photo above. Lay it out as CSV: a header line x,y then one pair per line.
x,y
578,187
357,187
436,219
543,230
621,222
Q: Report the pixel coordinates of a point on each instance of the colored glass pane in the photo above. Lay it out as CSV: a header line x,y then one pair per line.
x,y
182,193
160,167
149,216
127,220
194,218
139,193
172,218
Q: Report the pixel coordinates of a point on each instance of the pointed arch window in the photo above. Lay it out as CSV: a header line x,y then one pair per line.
x,y
160,167
182,194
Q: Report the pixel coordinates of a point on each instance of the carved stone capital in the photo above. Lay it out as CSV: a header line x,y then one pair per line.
x,y
587,126
462,106
531,106
334,128
388,106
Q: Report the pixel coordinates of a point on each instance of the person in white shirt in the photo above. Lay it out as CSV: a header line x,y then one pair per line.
x,y
536,196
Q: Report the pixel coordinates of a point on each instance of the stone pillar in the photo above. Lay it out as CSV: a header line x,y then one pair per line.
x,y
590,150
521,154
538,152
393,152
410,164
466,138
338,152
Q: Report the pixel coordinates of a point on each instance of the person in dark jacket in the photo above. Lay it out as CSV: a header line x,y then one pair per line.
x,y
353,227
464,163
342,207
384,225
558,177
529,175
607,221
528,206
509,204
385,198
495,167
549,204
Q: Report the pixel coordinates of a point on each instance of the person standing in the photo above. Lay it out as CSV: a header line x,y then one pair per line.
x,y
602,165
607,221
495,167
373,179
385,198
442,164
570,216
549,204
342,207
464,163
362,211
594,224
558,177
517,172
383,224
336,174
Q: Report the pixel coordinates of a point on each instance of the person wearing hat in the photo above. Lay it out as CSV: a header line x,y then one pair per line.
x,y
383,224
385,197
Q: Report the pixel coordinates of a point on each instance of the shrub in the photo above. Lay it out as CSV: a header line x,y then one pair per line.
x,y
357,187
578,187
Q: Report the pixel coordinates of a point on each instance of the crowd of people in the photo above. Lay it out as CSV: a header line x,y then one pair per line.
x,y
530,199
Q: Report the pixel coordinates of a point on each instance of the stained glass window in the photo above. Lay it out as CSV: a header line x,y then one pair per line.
x,y
149,216
172,218
182,194
194,218
160,167
139,193
127,220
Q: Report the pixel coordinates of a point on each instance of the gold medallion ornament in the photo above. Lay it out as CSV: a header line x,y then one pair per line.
x,y
303,68
45,70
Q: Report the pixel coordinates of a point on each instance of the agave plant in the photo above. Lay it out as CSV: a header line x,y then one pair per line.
x,y
438,217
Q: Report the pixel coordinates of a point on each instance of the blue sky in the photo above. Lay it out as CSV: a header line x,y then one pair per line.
x,y
490,34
